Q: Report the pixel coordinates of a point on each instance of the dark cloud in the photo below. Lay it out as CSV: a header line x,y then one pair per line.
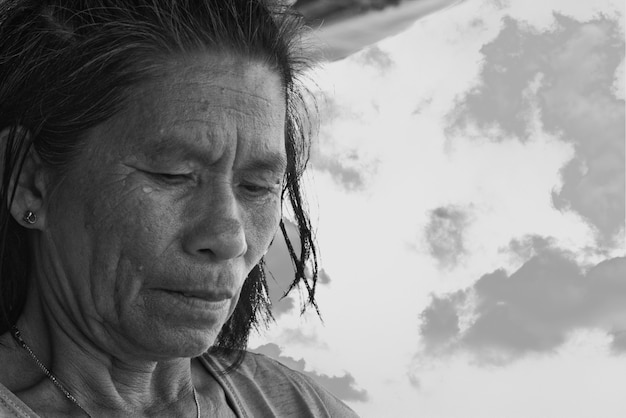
x,y
530,245
344,173
343,387
445,234
296,336
324,278
573,67
423,104
501,4
440,320
346,166
531,311
619,341
414,381
499,98
579,102
280,270
330,109
375,57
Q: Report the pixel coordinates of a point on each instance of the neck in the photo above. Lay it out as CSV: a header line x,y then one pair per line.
x,y
102,382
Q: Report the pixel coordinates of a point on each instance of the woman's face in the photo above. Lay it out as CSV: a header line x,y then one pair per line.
x,y
172,202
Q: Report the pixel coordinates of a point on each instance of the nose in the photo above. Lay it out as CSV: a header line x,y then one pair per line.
x,y
218,232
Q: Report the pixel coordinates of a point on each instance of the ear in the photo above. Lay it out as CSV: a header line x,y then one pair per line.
x,y
30,189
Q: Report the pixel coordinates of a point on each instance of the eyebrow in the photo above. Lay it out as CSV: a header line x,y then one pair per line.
x,y
172,147
271,162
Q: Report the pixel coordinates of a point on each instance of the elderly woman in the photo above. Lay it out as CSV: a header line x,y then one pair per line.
x,y
147,147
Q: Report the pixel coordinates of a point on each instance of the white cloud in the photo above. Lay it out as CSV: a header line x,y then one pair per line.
x,y
580,380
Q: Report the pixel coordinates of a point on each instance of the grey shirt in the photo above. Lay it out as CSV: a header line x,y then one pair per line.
x,y
260,387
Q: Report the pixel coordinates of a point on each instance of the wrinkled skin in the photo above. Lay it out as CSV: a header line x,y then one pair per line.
x,y
179,193
166,196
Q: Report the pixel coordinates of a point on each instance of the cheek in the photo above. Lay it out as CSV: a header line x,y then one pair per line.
x,y
122,227
261,228
131,234
89,227
134,226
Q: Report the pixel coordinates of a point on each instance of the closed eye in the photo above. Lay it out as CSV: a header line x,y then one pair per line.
x,y
170,178
257,190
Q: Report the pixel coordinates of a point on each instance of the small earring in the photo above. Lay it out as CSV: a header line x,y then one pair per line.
x,y
30,217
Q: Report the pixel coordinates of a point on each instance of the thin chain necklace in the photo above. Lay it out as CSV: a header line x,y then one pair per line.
x,y
18,337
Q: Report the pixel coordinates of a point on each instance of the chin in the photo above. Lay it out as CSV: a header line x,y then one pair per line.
x,y
190,343
161,341
170,327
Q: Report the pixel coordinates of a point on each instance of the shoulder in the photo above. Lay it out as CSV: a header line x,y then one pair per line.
x,y
12,406
16,367
264,384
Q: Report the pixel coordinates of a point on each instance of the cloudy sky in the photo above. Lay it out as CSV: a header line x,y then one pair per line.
x,y
468,190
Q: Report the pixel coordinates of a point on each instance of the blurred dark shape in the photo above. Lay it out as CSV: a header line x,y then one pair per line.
x,y
318,11
344,27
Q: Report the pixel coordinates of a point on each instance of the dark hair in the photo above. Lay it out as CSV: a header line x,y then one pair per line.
x,y
67,66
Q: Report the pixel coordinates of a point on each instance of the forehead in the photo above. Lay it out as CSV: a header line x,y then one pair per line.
x,y
216,81
209,102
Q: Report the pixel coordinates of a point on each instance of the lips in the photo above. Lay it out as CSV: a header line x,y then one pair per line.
x,y
190,306
209,296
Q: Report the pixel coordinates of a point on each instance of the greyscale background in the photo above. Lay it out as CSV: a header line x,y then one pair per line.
x,y
468,187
